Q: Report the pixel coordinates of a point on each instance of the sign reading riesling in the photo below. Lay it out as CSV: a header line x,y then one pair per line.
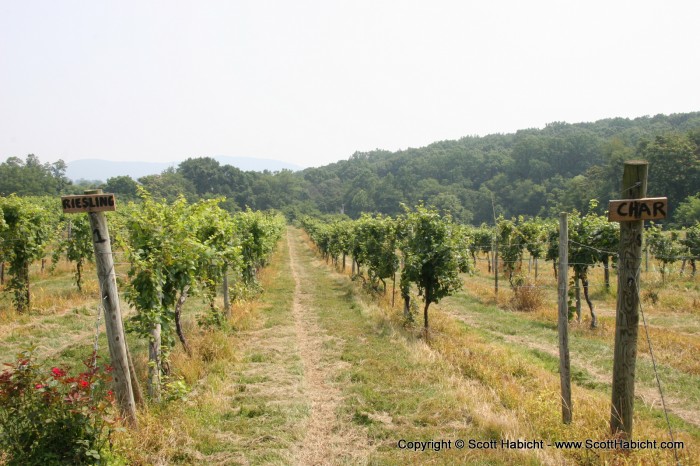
x,y
88,203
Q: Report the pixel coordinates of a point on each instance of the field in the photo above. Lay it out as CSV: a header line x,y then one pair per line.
x,y
319,370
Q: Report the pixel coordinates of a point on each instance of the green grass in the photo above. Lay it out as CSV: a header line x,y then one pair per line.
x,y
590,347
393,389
499,350
238,416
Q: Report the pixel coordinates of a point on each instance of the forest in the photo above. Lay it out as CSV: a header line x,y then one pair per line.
x,y
532,172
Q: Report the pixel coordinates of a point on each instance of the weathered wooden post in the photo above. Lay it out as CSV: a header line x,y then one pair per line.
x,y
495,267
95,203
564,360
227,299
630,211
154,364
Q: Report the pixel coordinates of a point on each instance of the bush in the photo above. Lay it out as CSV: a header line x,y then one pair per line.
x,y
527,297
48,417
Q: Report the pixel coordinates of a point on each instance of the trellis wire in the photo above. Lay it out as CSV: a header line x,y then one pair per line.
x,y
656,372
646,330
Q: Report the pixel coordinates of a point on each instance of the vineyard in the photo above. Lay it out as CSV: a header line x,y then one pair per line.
x,y
523,315
380,340
166,253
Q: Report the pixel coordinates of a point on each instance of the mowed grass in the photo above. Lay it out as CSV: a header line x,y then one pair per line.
x,y
394,386
61,317
675,349
672,330
245,406
488,375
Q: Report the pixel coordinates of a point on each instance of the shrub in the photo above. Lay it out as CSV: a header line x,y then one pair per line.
x,y
48,417
527,297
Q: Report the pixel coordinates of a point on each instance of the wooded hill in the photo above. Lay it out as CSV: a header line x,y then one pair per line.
x,y
531,172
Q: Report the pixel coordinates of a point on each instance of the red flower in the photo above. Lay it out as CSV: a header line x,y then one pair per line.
x,y
38,386
58,372
84,383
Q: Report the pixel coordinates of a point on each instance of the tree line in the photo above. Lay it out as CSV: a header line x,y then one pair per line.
x,y
532,172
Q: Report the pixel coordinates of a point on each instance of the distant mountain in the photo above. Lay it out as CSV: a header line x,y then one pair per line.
x,y
96,169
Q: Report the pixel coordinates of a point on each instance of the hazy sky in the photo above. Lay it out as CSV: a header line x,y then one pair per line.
x,y
312,81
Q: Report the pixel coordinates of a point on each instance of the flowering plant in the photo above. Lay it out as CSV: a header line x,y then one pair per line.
x,y
50,417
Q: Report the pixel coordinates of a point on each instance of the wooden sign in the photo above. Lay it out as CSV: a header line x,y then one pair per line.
x,y
88,203
628,210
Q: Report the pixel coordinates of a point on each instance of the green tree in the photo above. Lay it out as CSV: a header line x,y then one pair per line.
x,y
204,173
258,233
26,229
592,239
124,187
169,185
377,241
688,212
164,255
691,242
216,230
534,233
432,255
30,177
76,244
674,169
511,245
664,246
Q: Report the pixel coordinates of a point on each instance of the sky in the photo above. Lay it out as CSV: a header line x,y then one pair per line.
x,y
310,82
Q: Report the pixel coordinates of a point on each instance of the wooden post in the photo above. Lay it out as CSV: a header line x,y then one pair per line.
x,y
646,260
577,295
634,186
113,318
227,299
495,267
536,263
138,394
563,321
154,363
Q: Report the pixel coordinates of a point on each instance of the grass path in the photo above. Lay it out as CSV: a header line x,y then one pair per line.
x,y
585,360
275,399
327,435
389,386
591,350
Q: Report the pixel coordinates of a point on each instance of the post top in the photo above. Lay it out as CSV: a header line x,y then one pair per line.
x,y
93,191
636,162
